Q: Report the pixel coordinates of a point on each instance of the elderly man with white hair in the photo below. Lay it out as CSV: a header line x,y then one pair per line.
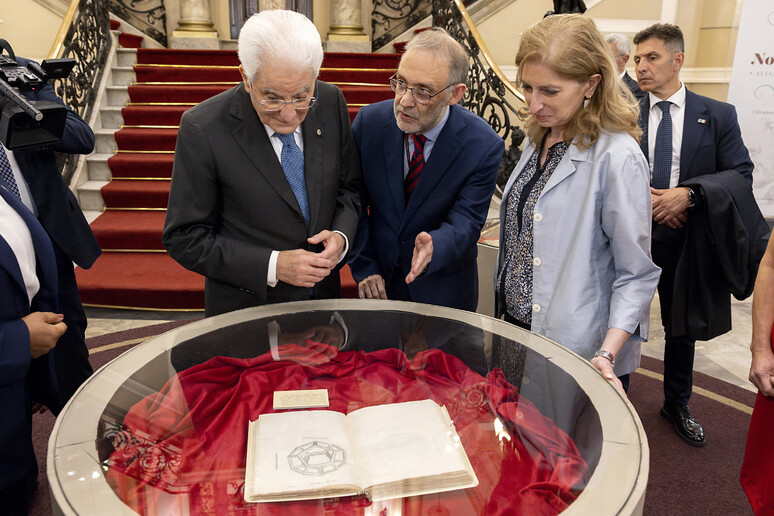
x,y
263,200
621,48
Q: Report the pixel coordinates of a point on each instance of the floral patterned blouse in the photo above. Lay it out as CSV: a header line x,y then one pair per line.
x,y
514,282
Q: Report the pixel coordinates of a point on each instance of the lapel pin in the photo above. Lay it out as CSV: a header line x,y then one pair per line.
x,y
702,121
319,133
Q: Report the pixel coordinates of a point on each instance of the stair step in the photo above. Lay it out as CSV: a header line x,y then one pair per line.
x,y
105,141
179,93
135,165
117,95
122,75
111,117
153,115
140,280
129,230
127,56
98,168
130,40
356,60
172,73
131,193
199,56
146,139
90,195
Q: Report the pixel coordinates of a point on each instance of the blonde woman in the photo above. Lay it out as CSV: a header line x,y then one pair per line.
x,y
575,220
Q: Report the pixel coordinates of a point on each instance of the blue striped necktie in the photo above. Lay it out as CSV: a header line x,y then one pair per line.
x,y
293,164
662,153
416,165
6,173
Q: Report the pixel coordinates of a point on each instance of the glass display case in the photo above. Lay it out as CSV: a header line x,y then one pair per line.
x,y
162,429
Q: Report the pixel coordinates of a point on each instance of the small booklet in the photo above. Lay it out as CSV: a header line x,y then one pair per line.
x,y
382,452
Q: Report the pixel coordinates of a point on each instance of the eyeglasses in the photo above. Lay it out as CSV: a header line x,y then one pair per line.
x,y
422,96
273,105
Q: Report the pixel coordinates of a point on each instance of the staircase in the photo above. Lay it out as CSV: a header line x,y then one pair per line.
x,y
129,173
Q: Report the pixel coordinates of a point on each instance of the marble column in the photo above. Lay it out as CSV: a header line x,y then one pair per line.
x,y
195,28
346,32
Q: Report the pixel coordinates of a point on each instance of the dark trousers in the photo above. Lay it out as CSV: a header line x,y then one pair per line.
x,y
71,357
679,349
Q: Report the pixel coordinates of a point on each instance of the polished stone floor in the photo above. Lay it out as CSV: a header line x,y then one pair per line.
x,y
726,357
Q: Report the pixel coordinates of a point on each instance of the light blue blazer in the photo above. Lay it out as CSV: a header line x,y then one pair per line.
x,y
592,268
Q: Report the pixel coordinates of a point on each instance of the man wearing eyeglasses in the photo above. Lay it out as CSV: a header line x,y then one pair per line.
x,y
263,200
429,168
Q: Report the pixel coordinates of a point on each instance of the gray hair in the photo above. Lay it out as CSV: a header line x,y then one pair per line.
x,y
622,43
438,41
277,35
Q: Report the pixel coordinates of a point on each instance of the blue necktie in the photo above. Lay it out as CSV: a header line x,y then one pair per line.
x,y
662,154
293,164
6,173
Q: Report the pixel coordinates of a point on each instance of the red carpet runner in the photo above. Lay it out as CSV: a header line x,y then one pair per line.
x,y
134,271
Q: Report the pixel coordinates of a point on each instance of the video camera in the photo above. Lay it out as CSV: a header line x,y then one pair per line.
x,y
25,123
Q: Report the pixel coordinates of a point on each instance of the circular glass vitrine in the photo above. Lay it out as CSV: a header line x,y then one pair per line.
x,y
162,429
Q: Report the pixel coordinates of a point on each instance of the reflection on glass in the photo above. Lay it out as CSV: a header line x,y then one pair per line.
x,y
181,431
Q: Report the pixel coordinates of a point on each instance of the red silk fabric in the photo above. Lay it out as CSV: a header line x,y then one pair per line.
x,y
186,445
757,476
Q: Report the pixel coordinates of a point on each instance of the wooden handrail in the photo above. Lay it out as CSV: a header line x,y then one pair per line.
x,y
58,47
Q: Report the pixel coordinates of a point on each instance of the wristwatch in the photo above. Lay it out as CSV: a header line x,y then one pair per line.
x,y
691,198
605,354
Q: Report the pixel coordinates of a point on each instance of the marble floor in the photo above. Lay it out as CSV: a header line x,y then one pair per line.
x,y
726,357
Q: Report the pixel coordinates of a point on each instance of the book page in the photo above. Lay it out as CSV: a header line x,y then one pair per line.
x,y
299,452
405,440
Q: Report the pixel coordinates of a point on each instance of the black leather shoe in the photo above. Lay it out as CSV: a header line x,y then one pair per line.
x,y
687,427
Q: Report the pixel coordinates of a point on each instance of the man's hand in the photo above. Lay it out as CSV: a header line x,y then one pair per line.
x,y
372,287
45,328
302,268
423,253
331,334
762,371
670,205
333,242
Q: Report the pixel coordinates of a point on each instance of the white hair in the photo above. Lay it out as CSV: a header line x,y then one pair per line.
x,y
622,43
287,37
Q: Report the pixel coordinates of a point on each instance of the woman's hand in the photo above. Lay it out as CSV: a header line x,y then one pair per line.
x,y
604,366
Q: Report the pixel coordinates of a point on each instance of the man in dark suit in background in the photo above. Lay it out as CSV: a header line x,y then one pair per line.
x,y
621,49
429,169
685,136
45,193
29,329
263,200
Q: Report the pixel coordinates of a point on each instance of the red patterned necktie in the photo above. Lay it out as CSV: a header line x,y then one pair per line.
x,y
415,166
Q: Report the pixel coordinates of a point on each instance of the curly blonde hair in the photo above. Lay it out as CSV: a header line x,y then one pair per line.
x,y
574,49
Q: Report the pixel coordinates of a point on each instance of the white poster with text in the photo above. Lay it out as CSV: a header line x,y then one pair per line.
x,y
751,90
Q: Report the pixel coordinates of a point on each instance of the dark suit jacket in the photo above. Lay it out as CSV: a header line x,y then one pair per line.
x,y
451,201
230,204
723,245
712,143
21,377
712,140
633,86
58,210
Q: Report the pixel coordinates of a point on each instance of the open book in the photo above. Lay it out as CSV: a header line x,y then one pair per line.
x,y
384,451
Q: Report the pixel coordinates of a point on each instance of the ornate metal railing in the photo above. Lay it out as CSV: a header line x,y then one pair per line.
x,y
85,36
490,94
390,18
147,15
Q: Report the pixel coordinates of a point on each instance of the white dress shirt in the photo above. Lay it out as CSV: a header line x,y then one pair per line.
x,y
17,235
677,112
